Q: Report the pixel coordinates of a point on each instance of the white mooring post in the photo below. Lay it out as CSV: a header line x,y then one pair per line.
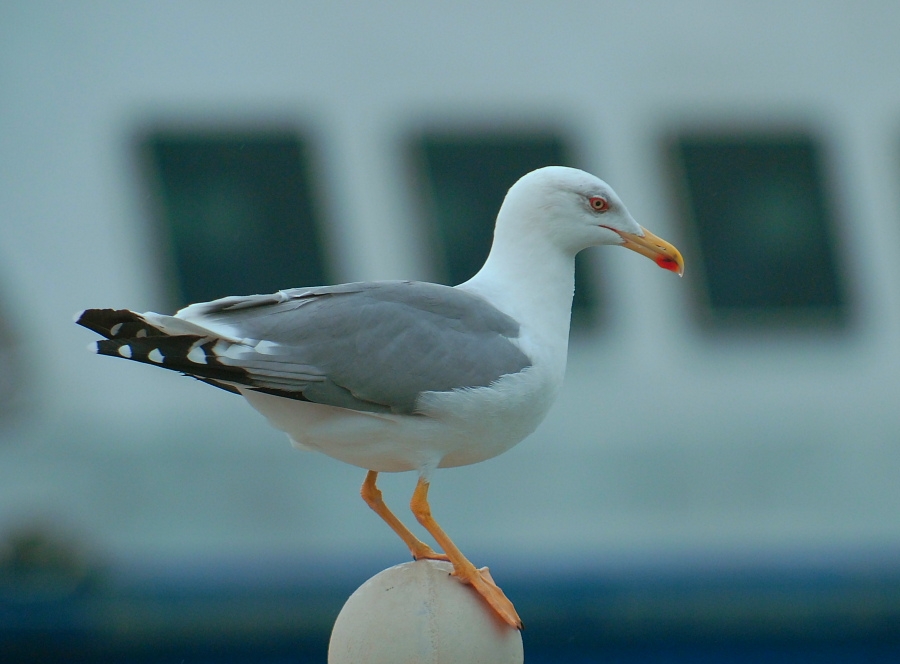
x,y
417,613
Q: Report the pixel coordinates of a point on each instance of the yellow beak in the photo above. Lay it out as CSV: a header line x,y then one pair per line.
x,y
656,249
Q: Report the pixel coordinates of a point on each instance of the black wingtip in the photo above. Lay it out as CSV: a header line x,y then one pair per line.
x,y
102,321
116,323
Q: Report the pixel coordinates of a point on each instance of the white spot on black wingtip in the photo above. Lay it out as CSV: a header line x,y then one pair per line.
x,y
141,333
94,347
197,356
114,330
125,351
155,356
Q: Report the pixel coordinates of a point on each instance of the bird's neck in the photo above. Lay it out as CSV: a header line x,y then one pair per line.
x,y
533,281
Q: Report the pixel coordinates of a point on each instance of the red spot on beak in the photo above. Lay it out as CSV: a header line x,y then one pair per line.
x,y
667,263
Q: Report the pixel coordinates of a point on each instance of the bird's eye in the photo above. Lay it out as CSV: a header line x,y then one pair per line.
x,y
599,204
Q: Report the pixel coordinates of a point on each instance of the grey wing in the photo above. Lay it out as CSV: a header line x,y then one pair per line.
x,y
372,346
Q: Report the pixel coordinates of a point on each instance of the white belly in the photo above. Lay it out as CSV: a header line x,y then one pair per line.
x,y
453,428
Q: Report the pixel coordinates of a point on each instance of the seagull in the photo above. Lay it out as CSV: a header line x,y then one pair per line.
x,y
396,376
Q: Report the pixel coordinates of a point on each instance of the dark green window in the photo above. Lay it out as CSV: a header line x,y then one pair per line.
x,y
13,380
760,213
470,173
237,212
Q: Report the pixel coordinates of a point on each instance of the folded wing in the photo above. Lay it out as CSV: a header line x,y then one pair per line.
x,y
372,346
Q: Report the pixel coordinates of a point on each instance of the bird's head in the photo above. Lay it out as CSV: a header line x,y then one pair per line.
x,y
576,210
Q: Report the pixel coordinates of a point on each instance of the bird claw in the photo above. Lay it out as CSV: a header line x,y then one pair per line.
x,y
484,584
425,552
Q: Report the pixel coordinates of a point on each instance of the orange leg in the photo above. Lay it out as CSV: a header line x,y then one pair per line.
x,y
372,495
480,579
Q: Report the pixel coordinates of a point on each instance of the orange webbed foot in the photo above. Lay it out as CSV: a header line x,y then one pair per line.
x,y
484,584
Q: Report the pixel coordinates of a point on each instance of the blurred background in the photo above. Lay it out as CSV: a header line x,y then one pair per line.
x,y
719,479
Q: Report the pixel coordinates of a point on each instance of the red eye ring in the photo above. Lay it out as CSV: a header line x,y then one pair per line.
x,y
598,204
